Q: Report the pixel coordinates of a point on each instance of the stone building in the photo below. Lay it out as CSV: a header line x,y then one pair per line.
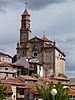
x,y
41,49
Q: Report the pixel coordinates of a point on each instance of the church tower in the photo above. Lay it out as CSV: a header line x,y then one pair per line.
x,y
25,28
25,34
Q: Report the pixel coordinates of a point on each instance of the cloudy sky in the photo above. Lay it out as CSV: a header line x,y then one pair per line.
x,y
55,17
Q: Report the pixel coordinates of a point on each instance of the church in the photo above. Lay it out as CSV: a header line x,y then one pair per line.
x,y
41,50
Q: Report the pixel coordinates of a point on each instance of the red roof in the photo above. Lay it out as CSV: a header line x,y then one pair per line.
x,y
45,79
12,80
4,64
71,92
27,78
60,78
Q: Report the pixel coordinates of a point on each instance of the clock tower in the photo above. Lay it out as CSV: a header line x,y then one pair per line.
x,y
25,34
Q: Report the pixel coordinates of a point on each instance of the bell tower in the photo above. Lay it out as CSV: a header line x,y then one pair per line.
x,y
25,34
25,28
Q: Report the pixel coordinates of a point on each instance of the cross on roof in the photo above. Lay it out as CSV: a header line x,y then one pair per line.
x,y
44,33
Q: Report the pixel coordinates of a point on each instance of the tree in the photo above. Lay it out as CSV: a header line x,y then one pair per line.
x,y
62,93
45,92
2,90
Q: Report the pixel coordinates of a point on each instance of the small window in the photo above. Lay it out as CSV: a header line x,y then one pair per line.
x,y
6,68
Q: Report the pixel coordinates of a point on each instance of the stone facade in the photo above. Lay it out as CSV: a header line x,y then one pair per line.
x,y
42,49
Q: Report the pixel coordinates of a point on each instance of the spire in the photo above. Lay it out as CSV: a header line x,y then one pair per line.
x,y
26,12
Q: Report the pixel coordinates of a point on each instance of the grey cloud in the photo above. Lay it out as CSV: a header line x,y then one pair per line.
x,y
2,11
3,49
35,4
32,4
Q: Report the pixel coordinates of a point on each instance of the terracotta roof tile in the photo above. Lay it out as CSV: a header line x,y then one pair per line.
x,y
69,84
45,79
27,77
59,78
4,64
71,92
12,80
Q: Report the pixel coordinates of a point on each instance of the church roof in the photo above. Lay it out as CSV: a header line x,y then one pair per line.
x,y
22,62
25,12
35,39
45,39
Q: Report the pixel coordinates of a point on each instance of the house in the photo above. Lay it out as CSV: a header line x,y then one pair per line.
x,y
5,58
23,87
8,70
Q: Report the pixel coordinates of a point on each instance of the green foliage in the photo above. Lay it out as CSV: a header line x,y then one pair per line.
x,y
18,72
46,92
2,90
35,75
62,93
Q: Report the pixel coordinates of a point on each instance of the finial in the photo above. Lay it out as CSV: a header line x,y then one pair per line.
x,y
26,4
44,34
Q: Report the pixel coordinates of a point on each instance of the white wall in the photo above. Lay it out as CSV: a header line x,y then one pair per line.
x,y
40,70
6,59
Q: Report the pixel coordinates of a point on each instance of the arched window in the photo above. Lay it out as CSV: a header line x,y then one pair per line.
x,y
24,25
35,54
